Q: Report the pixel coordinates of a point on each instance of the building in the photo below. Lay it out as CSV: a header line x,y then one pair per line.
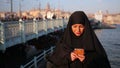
x,y
99,16
47,13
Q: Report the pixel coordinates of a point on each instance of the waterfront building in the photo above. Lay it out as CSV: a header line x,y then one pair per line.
x,y
47,12
98,16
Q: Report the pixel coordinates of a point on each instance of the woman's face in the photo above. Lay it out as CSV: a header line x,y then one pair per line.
x,y
77,29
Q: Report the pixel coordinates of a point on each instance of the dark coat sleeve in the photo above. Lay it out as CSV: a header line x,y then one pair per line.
x,y
60,56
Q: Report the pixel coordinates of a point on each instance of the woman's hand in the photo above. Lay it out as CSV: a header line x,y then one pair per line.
x,y
81,57
79,54
73,56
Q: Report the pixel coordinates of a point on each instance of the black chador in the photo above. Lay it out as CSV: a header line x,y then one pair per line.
x,y
95,55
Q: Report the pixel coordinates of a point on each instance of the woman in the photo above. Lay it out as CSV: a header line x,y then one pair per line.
x,y
79,46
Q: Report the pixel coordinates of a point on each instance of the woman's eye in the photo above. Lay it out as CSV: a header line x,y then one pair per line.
x,y
74,26
81,26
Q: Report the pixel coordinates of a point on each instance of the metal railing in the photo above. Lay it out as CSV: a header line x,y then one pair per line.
x,y
34,62
16,32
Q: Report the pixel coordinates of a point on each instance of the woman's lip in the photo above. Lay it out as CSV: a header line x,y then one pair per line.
x,y
77,33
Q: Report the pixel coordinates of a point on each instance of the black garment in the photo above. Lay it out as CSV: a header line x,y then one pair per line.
x,y
95,55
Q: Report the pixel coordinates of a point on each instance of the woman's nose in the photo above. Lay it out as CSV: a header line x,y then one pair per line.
x,y
78,29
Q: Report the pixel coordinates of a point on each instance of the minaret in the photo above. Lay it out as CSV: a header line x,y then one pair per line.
x,y
11,6
48,7
39,6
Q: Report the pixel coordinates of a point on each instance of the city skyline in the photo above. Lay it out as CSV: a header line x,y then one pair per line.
x,y
89,6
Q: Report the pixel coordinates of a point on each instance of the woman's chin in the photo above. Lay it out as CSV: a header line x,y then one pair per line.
x,y
78,34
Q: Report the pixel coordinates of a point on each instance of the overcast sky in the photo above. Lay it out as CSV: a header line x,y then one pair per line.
x,y
90,6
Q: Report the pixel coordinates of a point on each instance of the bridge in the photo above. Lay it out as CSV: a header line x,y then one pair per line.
x,y
17,32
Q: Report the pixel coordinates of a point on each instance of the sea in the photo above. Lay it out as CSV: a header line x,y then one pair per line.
x,y
110,39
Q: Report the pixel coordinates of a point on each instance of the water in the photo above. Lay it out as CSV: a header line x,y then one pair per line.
x,y
110,39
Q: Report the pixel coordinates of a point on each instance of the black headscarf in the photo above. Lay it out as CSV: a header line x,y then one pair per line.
x,y
85,41
88,40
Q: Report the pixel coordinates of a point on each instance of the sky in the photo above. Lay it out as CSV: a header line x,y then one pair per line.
x,y
89,6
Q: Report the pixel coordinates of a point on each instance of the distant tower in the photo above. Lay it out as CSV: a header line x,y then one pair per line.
x,y
107,12
48,11
39,6
48,7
